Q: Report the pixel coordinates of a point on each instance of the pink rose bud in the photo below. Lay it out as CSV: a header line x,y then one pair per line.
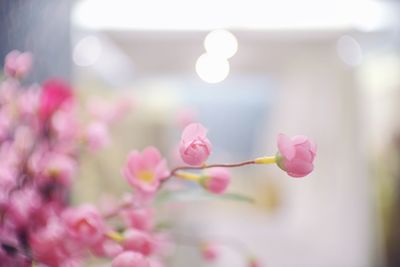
x,y
130,259
217,180
84,223
17,64
144,171
54,94
194,146
209,252
296,155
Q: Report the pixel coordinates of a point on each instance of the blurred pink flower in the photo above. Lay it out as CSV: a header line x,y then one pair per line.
x,y
209,252
155,263
141,219
97,135
84,223
55,93
17,64
107,112
7,178
64,123
121,107
28,101
139,241
24,139
296,155
217,180
22,204
51,245
145,170
253,263
194,146
5,124
106,247
130,259
59,167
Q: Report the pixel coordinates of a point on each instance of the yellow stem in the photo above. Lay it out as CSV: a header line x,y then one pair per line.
x,y
188,176
265,160
115,236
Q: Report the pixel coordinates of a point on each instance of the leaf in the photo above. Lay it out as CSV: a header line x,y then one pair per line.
x,y
198,195
237,197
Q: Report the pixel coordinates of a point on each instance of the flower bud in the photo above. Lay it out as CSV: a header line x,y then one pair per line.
x,y
194,146
217,180
17,64
209,252
296,155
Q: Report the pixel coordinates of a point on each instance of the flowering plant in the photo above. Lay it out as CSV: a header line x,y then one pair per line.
x,y
41,139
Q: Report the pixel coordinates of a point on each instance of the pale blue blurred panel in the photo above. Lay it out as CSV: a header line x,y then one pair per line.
x,y
234,111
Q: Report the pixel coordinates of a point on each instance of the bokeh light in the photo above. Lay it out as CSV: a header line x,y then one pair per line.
x,y
212,69
87,51
221,43
349,50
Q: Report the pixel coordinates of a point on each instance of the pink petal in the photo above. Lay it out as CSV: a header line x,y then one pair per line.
x,y
313,148
161,170
192,131
207,144
151,157
135,162
298,168
299,139
24,61
12,57
304,153
286,147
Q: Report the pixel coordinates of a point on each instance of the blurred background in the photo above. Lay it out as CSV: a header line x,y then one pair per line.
x,y
247,70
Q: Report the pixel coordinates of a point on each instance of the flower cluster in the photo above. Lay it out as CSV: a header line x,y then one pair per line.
x,y
41,139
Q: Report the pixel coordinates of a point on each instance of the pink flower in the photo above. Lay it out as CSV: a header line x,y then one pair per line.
x,y
59,167
64,123
209,252
50,245
106,248
139,241
84,223
217,180
145,170
17,64
253,263
156,263
194,146
141,219
22,204
55,93
7,178
130,259
5,124
103,110
97,135
296,155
